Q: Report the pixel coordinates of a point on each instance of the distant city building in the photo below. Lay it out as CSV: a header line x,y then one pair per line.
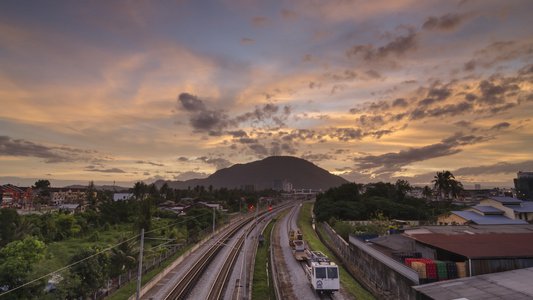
x,y
122,196
478,186
281,185
524,185
249,187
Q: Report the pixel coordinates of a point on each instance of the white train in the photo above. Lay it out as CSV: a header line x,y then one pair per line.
x,y
323,274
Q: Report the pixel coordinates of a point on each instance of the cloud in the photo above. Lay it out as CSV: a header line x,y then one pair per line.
x,y
111,170
247,41
313,157
494,94
150,163
289,15
497,168
399,46
187,175
501,125
400,102
50,154
393,162
216,122
447,23
219,163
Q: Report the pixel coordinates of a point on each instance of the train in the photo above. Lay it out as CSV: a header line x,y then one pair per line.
x,y
297,245
321,272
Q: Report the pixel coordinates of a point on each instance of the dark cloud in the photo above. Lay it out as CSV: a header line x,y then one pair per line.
x,y
247,41
392,162
497,168
439,93
447,23
316,157
451,110
400,102
398,47
112,170
150,163
191,103
183,159
238,134
470,65
494,94
216,122
219,163
55,154
501,125
345,134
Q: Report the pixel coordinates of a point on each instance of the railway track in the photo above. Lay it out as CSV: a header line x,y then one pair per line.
x,y
183,288
185,285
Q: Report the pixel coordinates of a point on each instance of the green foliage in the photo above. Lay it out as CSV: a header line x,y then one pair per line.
x,y
9,220
17,260
144,215
91,272
67,226
118,211
346,203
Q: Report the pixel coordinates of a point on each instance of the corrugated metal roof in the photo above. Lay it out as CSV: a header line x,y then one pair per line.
x,y
482,245
487,209
514,284
474,228
525,207
506,199
487,220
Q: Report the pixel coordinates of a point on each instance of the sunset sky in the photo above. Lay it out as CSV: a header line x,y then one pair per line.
x,y
130,91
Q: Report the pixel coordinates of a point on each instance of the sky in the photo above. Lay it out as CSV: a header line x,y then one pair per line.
x,y
127,91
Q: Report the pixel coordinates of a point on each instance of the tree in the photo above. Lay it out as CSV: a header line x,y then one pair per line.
x,y
446,184
9,220
427,192
90,195
144,215
122,258
139,190
91,272
17,260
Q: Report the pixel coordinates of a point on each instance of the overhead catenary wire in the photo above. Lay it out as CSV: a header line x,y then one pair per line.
x,y
93,255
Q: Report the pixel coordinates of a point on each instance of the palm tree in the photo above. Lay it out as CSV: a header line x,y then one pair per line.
x,y
122,258
25,228
446,184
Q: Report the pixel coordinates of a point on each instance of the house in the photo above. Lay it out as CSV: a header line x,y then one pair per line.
x,y
513,208
122,196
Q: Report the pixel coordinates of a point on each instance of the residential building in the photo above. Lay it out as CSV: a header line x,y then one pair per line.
x,y
524,185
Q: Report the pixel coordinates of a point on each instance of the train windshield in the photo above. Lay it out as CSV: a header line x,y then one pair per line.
x,y
333,273
320,272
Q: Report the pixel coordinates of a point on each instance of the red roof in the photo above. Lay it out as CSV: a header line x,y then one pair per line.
x,y
482,245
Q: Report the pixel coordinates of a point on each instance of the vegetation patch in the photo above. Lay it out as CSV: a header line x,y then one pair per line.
x,y
263,287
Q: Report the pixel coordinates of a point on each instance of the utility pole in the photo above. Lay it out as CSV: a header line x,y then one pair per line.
x,y
140,265
213,223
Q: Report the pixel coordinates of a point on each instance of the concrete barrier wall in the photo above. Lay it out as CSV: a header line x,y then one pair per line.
x,y
390,278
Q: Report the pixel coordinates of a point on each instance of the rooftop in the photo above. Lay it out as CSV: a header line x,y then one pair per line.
x,y
487,219
506,200
481,245
488,209
514,284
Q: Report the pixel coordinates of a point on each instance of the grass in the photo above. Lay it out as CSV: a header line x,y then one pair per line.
x,y
131,288
263,287
304,223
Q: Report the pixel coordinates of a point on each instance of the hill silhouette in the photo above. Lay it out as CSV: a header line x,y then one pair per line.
x,y
300,172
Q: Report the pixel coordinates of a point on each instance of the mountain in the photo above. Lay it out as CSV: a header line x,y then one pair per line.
x,y
300,172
